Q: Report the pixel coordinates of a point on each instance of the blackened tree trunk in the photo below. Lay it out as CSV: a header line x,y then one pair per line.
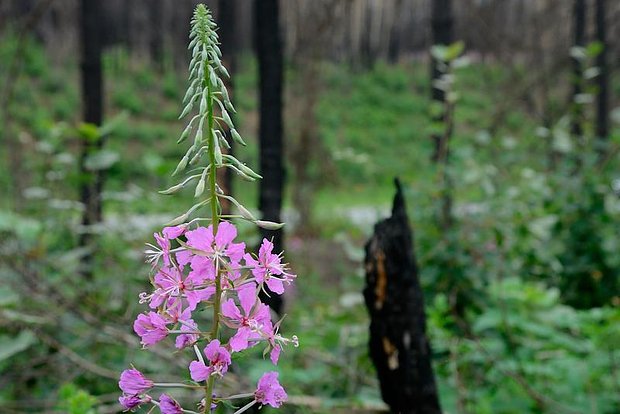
x,y
394,44
602,104
579,35
156,38
442,24
443,34
228,39
398,344
270,67
91,182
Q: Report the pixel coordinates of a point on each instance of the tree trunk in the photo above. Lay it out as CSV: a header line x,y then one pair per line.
x,y
91,183
394,43
602,103
156,38
579,34
270,67
398,344
443,34
228,39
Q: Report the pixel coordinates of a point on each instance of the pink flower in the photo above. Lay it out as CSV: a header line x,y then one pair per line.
x,y
214,249
202,239
164,244
267,266
151,328
130,402
218,356
249,320
199,371
275,340
133,382
174,232
175,314
271,335
168,405
274,356
170,283
184,257
187,339
269,390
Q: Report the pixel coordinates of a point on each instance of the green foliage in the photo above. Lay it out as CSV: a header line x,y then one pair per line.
x,y
356,128
448,53
171,87
73,400
527,353
129,100
9,345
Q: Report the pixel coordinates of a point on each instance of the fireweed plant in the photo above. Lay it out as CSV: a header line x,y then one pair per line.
x,y
194,267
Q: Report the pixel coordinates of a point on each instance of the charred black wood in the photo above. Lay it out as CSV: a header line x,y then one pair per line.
x,y
399,347
270,67
91,182
442,25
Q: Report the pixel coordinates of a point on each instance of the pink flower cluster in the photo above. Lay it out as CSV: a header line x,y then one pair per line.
x,y
190,267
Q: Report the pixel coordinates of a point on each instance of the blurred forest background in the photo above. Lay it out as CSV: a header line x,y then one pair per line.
x,y
506,140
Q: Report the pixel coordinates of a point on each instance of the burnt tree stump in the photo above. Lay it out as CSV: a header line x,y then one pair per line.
x,y
398,344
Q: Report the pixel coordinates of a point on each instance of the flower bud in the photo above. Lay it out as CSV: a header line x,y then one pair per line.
x,y
200,188
237,137
182,164
268,225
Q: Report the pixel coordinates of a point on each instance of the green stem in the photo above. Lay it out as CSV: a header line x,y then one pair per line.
x,y
214,222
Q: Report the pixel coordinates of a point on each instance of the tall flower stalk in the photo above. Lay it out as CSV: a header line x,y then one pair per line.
x,y
195,266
